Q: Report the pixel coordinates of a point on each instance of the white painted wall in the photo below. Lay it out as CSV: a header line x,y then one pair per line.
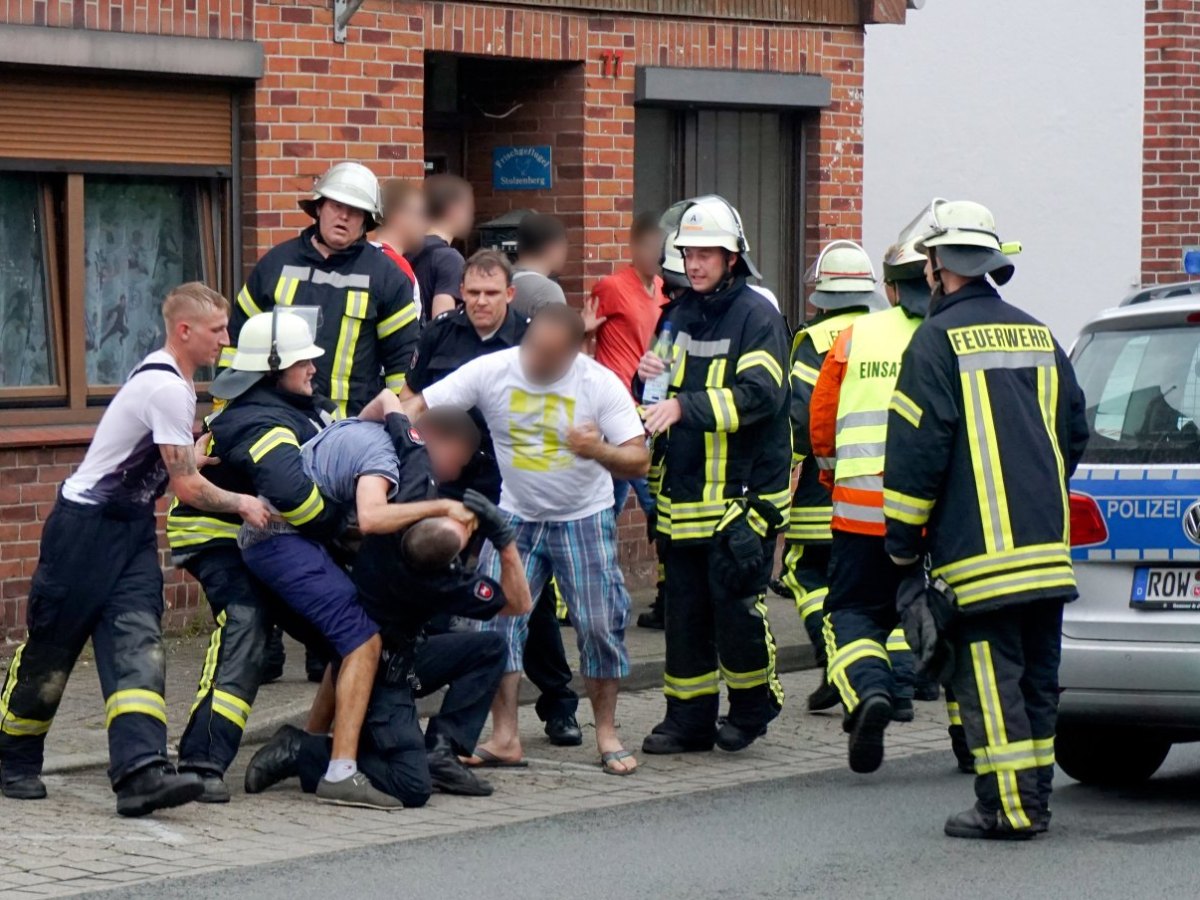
x,y
1033,108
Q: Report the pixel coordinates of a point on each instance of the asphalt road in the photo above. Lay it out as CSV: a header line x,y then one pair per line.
x,y
828,835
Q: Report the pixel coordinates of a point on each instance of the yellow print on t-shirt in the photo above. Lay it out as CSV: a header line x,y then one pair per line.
x,y
537,423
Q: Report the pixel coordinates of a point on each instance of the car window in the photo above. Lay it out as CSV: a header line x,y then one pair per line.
x,y
1143,393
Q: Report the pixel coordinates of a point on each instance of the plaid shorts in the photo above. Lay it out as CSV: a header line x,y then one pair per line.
x,y
582,557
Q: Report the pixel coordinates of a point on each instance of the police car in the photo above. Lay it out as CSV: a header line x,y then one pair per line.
x,y
1130,672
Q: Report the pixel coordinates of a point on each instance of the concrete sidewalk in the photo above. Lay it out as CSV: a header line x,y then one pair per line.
x,y
78,739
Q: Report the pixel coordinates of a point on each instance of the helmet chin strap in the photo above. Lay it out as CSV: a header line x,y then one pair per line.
x,y
939,289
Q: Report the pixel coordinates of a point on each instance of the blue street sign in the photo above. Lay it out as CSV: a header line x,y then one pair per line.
x,y
521,169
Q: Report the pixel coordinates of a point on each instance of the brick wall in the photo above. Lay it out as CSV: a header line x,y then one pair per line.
x,y
319,101
1170,168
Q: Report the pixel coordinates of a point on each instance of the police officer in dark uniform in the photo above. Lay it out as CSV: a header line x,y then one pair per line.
x,y
985,427
485,324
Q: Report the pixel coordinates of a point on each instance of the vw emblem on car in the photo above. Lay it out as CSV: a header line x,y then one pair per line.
x,y
1191,523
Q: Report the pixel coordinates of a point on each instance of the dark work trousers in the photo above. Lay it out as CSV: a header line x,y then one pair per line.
x,y
860,615
1006,683
391,751
806,575
546,661
233,666
471,664
714,634
97,577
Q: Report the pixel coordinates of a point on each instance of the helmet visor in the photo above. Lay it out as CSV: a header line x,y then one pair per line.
x,y
922,226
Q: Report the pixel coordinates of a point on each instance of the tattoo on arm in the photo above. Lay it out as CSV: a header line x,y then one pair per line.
x,y
180,459
213,499
192,487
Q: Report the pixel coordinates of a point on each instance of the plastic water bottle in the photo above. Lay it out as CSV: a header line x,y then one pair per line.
x,y
655,390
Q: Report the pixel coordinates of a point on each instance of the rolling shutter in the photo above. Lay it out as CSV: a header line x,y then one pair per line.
x,y
110,120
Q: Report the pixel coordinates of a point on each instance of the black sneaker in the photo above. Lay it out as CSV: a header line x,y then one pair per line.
x,y
24,787
450,776
975,825
564,731
157,787
870,721
275,760
902,709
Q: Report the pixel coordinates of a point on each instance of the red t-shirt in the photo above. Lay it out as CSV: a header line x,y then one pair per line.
x,y
398,258
632,313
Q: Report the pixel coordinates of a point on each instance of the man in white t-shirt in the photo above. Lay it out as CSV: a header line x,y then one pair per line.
x,y
98,574
563,426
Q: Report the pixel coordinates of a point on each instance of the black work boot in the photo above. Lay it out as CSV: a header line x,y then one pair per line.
x,y
450,776
826,696
652,618
868,724
975,825
23,787
731,738
903,710
564,731
156,787
276,760
215,789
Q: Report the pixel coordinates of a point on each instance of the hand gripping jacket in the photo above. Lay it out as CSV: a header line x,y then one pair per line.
x,y
811,504
734,440
985,427
260,434
368,323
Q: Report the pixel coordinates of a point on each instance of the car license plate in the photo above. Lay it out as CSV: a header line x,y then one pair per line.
x,y
1162,587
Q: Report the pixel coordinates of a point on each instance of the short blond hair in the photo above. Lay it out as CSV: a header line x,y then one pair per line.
x,y
192,299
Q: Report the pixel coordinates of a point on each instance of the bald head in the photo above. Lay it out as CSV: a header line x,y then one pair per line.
x,y
431,545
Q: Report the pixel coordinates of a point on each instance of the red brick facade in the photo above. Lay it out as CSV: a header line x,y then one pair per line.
x,y
320,101
1170,167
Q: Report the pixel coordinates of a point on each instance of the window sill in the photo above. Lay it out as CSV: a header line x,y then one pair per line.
x,y
23,436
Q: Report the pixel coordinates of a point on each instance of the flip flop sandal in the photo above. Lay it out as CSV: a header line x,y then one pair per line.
x,y
612,756
489,760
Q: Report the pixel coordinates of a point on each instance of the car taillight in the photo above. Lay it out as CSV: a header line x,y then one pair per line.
x,y
1087,524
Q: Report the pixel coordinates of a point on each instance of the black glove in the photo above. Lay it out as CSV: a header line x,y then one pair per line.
x,y
927,610
493,524
738,557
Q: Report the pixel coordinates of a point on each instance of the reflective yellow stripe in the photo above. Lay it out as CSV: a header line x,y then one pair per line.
x,y
306,511
896,642
690,688
716,444
393,323
773,682
227,355
1053,578
904,406
187,531
996,732
276,437
906,508
764,359
1015,757
985,460
394,382
740,681
805,373
246,302
839,679
811,603
285,289
16,725
343,356
233,708
954,713
1024,558
724,412
781,500
1048,401
210,663
135,700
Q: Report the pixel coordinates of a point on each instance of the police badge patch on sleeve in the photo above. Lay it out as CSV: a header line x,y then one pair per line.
x,y
415,437
484,591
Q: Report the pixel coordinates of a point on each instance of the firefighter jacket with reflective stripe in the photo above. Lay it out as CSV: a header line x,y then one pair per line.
x,y
259,435
369,324
850,415
190,530
811,506
985,428
734,440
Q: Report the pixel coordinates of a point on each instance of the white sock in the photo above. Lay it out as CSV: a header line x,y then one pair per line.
x,y
340,770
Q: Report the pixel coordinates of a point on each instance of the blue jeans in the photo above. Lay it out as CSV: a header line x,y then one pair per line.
x,y
621,493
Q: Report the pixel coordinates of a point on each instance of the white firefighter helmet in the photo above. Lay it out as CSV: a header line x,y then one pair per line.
x,y
710,221
269,342
964,239
843,276
350,183
903,261
673,272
